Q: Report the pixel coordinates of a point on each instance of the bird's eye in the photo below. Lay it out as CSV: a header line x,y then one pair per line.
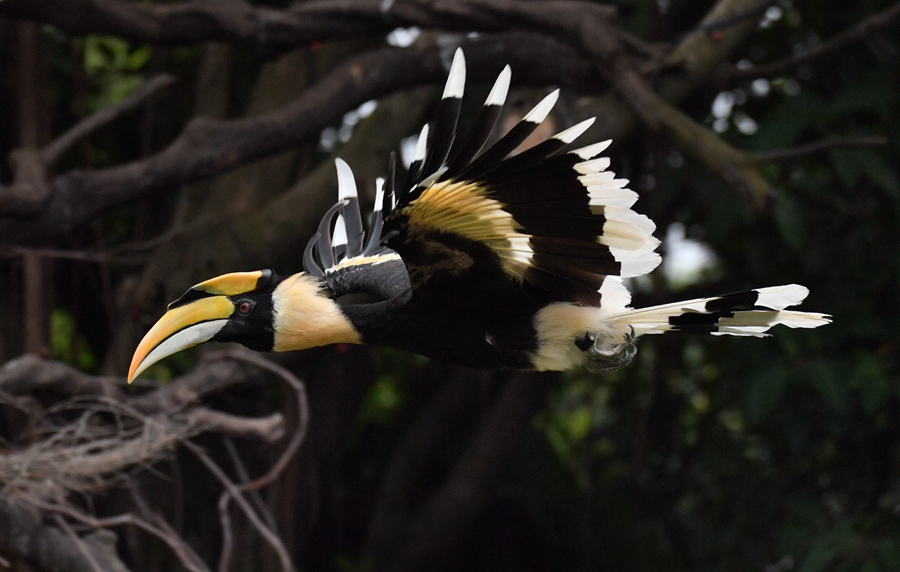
x,y
245,306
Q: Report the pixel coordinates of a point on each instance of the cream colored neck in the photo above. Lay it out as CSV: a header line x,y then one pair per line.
x,y
304,317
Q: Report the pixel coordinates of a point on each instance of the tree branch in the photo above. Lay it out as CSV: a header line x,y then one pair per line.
x,y
22,533
818,147
848,37
238,20
737,168
209,147
185,554
235,493
29,374
658,114
52,152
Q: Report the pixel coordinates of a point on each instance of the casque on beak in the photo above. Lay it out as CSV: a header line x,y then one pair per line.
x,y
194,318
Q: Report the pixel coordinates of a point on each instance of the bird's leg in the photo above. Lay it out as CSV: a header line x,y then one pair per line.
x,y
605,358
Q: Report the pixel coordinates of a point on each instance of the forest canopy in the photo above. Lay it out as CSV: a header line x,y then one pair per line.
x,y
152,145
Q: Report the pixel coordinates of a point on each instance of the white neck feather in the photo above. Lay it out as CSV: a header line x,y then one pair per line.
x,y
304,317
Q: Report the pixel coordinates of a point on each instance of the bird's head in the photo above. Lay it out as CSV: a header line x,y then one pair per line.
x,y
260,310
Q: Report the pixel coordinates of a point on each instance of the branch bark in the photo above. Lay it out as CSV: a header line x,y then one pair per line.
x,y
23,533
208,147
850,36
238,20
818,147
52,152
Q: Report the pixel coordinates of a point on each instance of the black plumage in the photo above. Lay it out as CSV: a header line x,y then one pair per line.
x,y
479,258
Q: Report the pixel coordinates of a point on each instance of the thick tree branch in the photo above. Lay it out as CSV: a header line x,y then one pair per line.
x,y
203,20
210,147
848,37
24,534
29,374
738,169
658,114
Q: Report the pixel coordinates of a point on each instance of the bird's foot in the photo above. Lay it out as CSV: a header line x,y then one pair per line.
x,y
604,358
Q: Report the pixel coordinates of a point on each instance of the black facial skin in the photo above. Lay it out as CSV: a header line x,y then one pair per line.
x,y
252,328
252,322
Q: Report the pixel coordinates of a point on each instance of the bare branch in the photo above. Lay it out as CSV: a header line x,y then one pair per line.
x,y
716,24
184,551
818,147
265,531
100,257
302,409
185,554
199,20
227,536
52,152
90,441
209,147
61,523
30,373
24,534
738,169
848,37
268,429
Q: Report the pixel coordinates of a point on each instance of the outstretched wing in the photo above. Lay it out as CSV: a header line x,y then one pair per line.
x,y
557,220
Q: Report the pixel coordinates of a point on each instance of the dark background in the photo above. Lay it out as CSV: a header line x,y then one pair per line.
x,y
768,130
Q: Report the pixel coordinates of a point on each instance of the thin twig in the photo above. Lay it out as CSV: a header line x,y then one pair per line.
x,y
267,534
244,477
52,152
227,537
128,519
185,552
818,147
733,19
302,409
148,244
11,250
78,542
860,32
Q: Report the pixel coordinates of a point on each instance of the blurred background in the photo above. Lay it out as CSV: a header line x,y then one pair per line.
x,y
152,145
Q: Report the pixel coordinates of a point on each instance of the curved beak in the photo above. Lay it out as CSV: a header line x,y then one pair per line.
x,y
181,328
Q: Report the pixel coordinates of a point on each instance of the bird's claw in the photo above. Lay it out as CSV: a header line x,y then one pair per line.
x,y
603,358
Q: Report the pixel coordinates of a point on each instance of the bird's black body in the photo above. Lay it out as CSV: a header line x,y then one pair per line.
x,y
490,329
491,340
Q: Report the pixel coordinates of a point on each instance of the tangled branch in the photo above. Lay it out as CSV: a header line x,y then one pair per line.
x,y
94,437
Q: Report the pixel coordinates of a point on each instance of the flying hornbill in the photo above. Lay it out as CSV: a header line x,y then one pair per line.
x,y
479,258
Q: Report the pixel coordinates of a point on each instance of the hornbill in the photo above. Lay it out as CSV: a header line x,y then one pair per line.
x,y
478,257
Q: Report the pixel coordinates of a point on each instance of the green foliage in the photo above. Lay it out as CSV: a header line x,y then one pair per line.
x,y
114,67
66,344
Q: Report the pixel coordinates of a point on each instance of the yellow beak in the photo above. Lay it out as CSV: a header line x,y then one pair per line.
x,y
181,328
